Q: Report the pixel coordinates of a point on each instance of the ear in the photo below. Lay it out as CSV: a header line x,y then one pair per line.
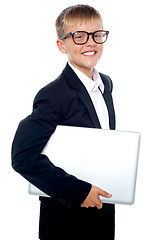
x,y
60,45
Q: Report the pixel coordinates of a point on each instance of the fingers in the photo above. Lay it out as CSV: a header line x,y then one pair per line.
x,y
99,204
94,203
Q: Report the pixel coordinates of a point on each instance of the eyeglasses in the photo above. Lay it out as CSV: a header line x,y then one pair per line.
x,y
81,37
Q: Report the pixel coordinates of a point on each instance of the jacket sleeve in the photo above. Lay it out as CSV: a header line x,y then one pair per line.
x,y
31,137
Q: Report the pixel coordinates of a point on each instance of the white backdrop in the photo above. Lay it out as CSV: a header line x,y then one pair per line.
x,y
29,59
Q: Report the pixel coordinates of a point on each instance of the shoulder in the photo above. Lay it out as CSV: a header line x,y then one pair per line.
x,y
52,90
61,85
52,87
107,81
57,94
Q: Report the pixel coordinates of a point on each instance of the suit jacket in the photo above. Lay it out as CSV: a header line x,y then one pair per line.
x,y
65,101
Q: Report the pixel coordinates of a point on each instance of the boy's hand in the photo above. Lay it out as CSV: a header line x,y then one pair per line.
x,y
93,200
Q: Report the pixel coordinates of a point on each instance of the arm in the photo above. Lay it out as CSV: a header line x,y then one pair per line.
x,y
30,139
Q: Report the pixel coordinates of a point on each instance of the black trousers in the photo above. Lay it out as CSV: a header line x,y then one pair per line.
x,y
58,221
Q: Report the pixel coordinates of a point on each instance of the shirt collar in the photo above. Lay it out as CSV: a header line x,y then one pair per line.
x,y
90,85
98,80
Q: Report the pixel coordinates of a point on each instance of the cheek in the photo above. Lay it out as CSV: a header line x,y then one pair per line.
x,y
100,51
101,48
74,52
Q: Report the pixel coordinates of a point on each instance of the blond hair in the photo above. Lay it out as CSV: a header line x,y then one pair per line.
x,y
75,14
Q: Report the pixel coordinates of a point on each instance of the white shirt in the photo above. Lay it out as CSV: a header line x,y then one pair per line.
x,y
95,94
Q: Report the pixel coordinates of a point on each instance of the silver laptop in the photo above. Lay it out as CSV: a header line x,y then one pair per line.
x,y
105,158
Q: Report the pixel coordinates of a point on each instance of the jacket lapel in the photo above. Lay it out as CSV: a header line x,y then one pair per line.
x,y
83,95
85,98
109,102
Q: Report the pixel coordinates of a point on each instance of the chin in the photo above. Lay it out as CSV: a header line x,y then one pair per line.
x,y
90,65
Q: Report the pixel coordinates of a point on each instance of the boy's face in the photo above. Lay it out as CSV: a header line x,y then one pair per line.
x,y
84,57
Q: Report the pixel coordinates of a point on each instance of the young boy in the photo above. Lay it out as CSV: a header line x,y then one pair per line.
x,y
80,96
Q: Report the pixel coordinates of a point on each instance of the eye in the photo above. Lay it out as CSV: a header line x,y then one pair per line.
x,y
99,35
79,35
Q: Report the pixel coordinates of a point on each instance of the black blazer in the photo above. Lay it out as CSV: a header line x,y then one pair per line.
x,y
64,101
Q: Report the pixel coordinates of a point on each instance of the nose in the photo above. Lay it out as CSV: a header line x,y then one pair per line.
x,y
90,41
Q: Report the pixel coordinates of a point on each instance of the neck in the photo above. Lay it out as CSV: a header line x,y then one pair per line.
x,y
87,71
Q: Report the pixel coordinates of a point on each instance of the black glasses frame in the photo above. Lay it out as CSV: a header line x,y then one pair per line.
x,y
91,33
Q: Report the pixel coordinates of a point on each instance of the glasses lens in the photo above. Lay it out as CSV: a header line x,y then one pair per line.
x,y
100,36
80,37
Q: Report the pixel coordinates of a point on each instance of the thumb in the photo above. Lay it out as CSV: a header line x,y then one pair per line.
x,y
105,194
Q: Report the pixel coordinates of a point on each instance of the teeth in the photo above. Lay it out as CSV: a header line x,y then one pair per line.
x,y
89,53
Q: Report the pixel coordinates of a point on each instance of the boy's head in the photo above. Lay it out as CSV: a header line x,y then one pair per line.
x,y
74,15
81,36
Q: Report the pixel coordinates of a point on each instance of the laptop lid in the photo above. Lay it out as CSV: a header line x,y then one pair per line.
x,y
107,159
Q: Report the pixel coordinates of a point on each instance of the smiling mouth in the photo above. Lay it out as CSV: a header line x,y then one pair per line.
x,y
89,53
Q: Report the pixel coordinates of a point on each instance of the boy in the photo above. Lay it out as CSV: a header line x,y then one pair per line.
x,y
80,96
